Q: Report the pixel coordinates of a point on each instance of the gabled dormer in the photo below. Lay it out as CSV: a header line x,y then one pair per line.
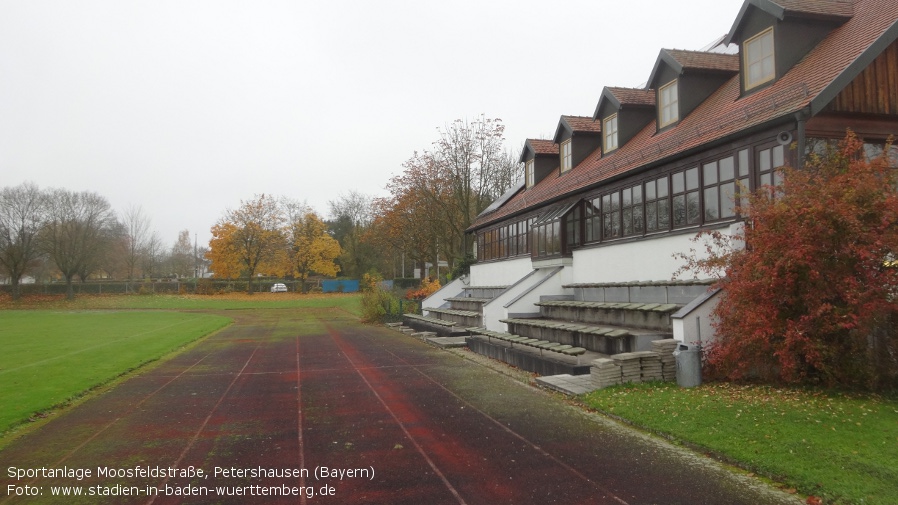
x,y
622,113
773,35
540,158
577,137
684,79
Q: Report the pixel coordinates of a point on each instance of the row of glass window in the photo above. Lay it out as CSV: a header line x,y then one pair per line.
x,y
704,193
506,241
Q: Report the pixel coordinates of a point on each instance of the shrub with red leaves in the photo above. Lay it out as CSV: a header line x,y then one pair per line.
x,y
811,297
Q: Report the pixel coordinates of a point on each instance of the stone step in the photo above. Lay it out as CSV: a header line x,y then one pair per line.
x,y
651,316
605,339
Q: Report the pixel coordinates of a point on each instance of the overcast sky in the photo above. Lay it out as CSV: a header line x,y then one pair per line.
x,y
187,107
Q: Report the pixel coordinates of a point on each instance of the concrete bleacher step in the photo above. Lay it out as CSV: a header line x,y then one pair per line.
x,y
653,316
468,303
542,345
603,339
534,355
441,327
465,317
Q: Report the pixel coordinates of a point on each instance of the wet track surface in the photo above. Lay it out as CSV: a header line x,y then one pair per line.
x,y
317,407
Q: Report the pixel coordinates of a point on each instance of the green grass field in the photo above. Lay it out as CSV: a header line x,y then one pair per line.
x,y
840,447
234,301
55,350
52,357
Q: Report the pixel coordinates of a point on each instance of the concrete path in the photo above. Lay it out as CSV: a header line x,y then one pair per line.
x,y
284,407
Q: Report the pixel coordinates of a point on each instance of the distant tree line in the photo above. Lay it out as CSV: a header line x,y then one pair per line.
x,y
431,203
62,235
57,234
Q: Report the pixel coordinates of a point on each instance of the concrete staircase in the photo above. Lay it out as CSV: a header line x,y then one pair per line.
x,y
602,320
458,313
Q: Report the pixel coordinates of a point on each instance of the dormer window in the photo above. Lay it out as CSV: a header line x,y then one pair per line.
x,y
668,109
609,127
566,160
758,64
529,172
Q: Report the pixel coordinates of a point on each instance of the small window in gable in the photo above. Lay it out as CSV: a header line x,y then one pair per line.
x,y
759,62
529,172
566,158
668,110
609,126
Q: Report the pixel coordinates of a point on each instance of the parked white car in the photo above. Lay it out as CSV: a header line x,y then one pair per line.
x,y
279,288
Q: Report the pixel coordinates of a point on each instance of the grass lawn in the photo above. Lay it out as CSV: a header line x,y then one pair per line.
x,y
233,301
52,357
839,447
56,350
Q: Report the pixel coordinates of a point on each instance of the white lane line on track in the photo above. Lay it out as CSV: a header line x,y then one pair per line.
x,y
302,456
508,430
414,442
202,427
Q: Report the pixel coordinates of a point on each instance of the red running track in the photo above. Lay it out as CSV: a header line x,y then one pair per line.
x,y
393,421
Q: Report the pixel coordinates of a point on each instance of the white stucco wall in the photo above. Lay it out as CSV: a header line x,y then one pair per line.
x,y
522,294
437,300
696,327
641,260
500,273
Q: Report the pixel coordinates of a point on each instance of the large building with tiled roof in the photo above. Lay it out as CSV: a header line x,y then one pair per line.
x,y
621,192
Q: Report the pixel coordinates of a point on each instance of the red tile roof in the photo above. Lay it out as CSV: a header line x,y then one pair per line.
x,y
824,9
704,60
633,96
542,146
809,84
840,8
582,123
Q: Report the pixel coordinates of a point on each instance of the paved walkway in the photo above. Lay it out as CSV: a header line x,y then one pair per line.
x,y
327,411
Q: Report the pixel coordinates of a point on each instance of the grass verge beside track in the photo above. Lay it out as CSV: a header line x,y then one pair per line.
x,y
51,358
840,447
232,301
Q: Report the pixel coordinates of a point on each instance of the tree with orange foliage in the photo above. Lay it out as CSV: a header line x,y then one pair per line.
x,y
312,249
440,192
414,218
249,240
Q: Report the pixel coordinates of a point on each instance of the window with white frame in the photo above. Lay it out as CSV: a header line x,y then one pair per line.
x,y
758,59
668,108
529,172
609,126
566,159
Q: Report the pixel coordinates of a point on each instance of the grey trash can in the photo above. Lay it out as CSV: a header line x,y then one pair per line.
x,y
689,365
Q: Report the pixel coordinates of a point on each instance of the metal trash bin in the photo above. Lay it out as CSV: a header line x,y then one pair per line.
x,y
689,365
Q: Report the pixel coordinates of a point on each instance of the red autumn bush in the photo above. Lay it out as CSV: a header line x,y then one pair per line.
x,y
811,297
427,288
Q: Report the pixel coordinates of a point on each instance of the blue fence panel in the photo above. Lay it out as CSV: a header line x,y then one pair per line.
x,y
340,286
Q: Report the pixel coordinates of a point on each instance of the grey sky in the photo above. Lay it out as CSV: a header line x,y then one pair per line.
x,y
185,107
